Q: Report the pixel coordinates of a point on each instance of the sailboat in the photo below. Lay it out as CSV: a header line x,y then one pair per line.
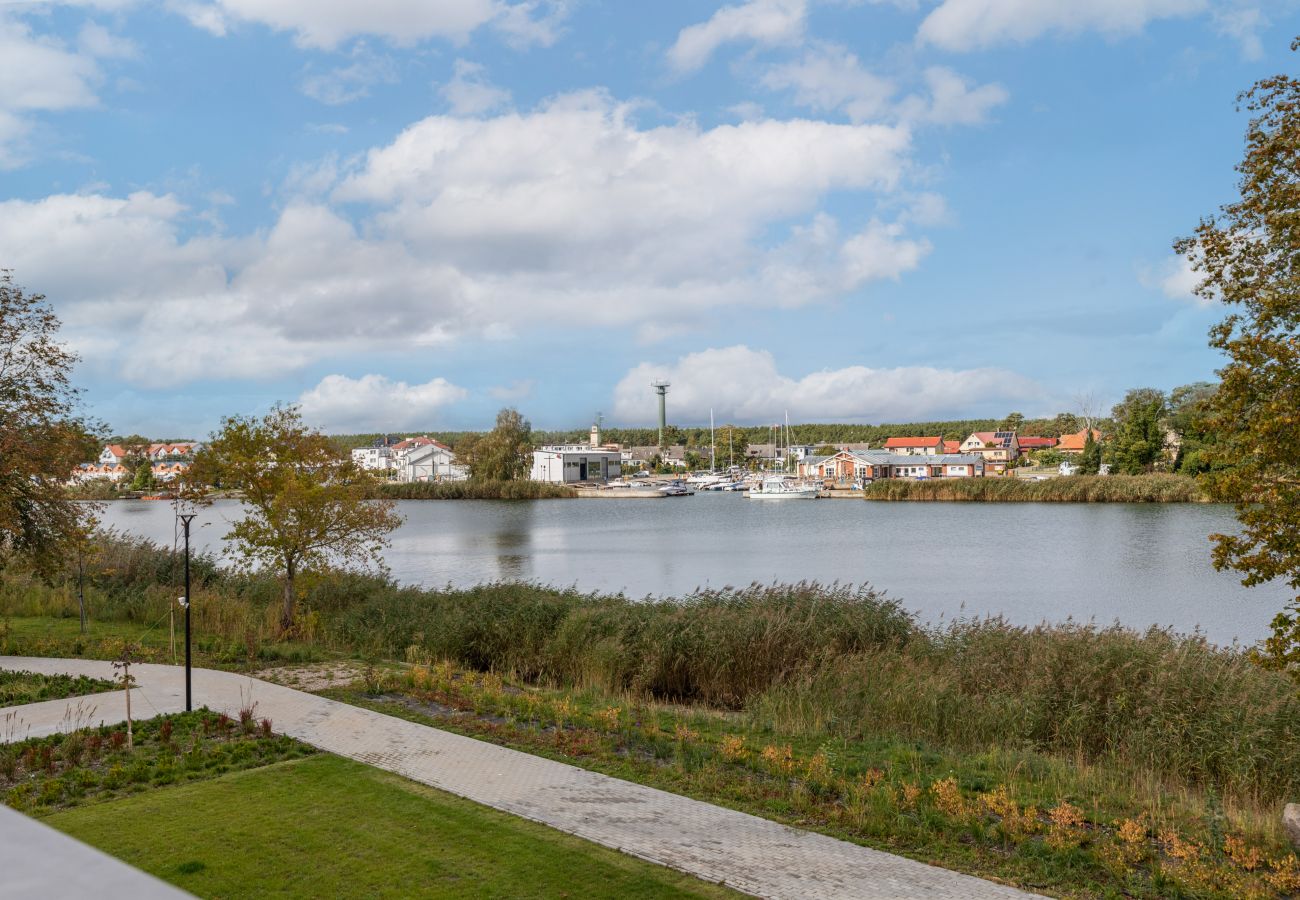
x,y
779,487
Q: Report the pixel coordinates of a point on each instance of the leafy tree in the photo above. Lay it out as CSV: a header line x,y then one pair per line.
x,y
40,440
1090,459
1013,422
1063,423
143,480
1189,406
307,506
1248,257
503,453
732,445
1138,443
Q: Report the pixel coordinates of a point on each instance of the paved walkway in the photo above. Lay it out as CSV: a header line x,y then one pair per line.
x,y
747,853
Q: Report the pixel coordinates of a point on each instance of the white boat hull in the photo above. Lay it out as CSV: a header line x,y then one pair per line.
x,y
803,494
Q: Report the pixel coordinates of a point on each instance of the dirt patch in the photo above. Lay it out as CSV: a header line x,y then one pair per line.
x,y
315,677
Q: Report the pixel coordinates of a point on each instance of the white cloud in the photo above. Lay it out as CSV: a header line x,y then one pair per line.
x,y
40,73
470,93
972,24
829,78
743,385
767,22
1243,22
1174,278
952,100
485,228
376,403
343,84
325,24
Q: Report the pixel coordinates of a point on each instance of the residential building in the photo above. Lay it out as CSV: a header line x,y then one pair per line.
x,y
1029,443
423,459
915,446
999,449
850,467
951,447
1072,444
116,453
374,459
573,463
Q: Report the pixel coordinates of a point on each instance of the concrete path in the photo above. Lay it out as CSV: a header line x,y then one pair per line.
x,y
37,861
745,852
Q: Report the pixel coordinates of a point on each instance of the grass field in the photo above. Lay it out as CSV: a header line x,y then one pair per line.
x,y
329,827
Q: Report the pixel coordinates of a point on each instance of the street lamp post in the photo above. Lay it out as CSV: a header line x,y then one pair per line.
x,y
186,518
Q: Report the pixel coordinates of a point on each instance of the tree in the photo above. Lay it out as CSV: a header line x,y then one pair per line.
x,y
503,453
732,445
1141,429
41,442
1248,257
1189,405
1090,459
1012,422
306,503
1064,423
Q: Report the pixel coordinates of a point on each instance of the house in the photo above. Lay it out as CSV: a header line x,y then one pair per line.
x,y
572,463
915,446
1029,443
116,453
850,467
999,449
373,459
950,447
1072,444
168,471
423,459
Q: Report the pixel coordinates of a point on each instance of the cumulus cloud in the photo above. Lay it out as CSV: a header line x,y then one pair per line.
x,y
766,22
973,24
476,227
470,93
744,385
375,402
40,73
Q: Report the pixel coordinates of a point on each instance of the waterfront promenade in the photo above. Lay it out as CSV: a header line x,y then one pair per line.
x,y
749,854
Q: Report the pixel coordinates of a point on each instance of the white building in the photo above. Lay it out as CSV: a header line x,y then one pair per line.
x,y
570,463
427,460
373,459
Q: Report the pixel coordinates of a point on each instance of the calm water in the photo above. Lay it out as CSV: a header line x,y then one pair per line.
x,y
1138,564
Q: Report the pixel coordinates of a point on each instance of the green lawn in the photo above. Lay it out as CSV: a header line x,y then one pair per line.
x,y
328,827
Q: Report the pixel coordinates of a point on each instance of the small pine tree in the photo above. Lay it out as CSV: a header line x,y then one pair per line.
x,y
1090,461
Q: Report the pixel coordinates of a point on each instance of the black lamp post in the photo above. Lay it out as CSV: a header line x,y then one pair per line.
x,y
186,518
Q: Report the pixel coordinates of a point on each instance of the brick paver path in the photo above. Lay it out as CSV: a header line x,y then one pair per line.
x,y
748,853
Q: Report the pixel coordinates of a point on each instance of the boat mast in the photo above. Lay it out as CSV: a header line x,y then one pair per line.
x,y
713,445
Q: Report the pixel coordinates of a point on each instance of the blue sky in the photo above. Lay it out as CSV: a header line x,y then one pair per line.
x,y
407,213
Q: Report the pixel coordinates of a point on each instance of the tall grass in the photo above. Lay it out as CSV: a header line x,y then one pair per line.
x,y
1066,489
812,659
475,490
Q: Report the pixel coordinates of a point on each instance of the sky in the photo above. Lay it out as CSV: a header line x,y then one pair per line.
x,y
406,214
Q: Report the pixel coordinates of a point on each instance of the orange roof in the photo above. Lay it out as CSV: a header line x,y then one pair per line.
x,y
1077,440
951,446
1035,443
893,442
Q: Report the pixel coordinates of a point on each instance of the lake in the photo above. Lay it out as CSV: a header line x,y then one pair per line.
x,y
1139,564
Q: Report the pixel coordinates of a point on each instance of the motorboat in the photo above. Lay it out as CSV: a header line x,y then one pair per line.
x,y
781,489
676,489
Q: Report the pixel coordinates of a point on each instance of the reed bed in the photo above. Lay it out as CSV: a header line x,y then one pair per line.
x,y
1065,489
475,490
810,659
